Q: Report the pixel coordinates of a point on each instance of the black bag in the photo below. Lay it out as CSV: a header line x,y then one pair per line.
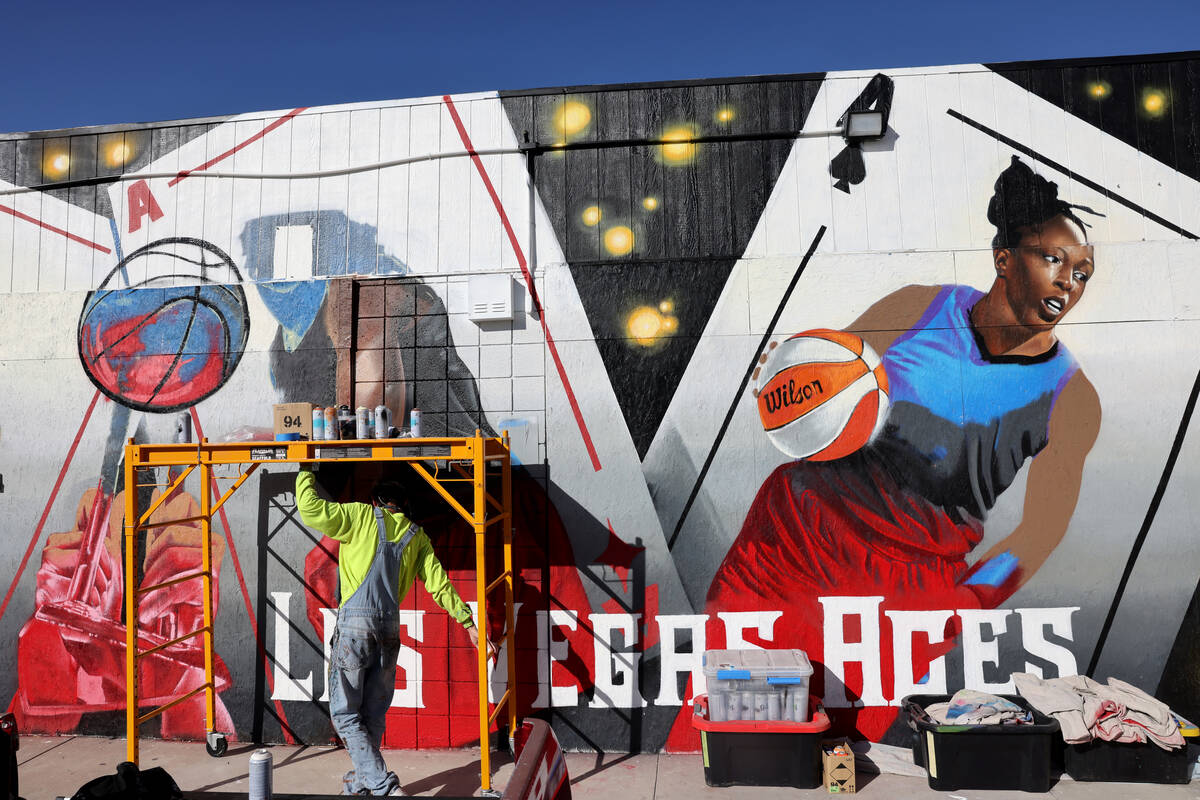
x,y
130,783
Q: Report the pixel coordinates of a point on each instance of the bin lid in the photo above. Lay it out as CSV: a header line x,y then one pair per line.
x,y
756,663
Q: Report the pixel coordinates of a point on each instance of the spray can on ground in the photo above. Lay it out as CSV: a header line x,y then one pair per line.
x,y
318,423
363,424
383,421
331,423
260,775
414,423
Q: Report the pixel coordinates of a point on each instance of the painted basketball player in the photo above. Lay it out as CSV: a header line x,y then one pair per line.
x,y
980,384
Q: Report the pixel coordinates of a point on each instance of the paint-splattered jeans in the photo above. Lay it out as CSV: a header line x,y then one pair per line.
x,y
362,680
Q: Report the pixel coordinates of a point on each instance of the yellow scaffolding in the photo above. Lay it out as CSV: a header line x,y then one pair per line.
x,y
469,457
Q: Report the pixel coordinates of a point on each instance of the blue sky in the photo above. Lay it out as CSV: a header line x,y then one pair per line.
x,y
73,63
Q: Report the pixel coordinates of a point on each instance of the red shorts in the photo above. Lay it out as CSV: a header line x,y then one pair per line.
x,y
842,528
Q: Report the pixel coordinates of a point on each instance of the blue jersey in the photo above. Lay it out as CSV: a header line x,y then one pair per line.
x,y
962,421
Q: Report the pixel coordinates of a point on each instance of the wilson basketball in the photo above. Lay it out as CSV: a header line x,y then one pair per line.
x,y
822,395
167,327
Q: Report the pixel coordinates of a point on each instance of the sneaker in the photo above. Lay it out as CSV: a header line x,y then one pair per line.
x,y
397,790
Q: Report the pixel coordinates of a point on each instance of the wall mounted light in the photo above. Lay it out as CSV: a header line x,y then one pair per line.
x,y
863,126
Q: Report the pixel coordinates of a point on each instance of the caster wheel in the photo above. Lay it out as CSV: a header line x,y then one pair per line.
x,y
216,744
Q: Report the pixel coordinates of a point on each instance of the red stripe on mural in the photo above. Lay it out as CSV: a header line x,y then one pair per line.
x,y
37,533
537,303
237,568
49,227
282,120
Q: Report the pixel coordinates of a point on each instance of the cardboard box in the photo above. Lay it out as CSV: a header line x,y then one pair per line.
x,y
838,769
294,418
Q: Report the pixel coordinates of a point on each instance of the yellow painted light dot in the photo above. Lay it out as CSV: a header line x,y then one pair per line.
x,y
644,325
572,117
1154,102
666,306
725,115
669,324
57,164
1099,89
118,154
618,240
591,216
684,151
650,203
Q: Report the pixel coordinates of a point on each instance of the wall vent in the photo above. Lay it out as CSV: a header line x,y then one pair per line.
x,y
490,297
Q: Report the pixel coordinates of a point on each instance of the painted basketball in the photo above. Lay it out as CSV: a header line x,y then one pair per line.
x,y
167,327
822,395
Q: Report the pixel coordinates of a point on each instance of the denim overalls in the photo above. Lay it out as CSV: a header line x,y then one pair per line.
x,y
362,670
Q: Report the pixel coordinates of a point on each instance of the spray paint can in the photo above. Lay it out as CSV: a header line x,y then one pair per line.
x,y
414,423
383,421
183,428
260,775
362,423
318,423
331,422
345,418
775,706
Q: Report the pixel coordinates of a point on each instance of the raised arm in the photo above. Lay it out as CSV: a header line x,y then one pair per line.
x,y
331,519
1051,493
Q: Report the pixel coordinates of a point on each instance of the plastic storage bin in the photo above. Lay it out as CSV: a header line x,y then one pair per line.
x,y
749,753
982,756
761,685
1133,763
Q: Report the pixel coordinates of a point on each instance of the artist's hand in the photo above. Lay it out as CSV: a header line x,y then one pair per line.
x,y
473,633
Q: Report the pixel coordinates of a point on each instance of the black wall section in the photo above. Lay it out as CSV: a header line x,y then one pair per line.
x,y
1179,686
1149,103
652,232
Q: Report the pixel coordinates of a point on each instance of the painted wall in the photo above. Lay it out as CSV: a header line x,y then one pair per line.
x,y
1022,506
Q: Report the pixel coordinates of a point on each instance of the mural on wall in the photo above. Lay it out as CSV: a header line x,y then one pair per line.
x,y
990,489
897,518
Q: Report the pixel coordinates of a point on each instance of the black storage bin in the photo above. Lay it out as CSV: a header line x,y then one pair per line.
x,y
749,753
982,756
1127,762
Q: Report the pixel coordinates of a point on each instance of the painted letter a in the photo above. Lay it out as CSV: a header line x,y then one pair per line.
x,y
141,203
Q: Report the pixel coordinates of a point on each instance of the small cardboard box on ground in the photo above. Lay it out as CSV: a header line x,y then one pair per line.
x,y
294,418
838,768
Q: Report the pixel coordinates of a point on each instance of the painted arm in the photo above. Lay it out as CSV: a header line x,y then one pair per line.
x,y
1052,492
891,316
880,324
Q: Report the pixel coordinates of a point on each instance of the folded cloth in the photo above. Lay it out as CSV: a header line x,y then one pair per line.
x,y
1116,712
971,707
1054,699
1138,717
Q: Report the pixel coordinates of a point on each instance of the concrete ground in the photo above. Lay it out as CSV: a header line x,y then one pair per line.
x,y
54,767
